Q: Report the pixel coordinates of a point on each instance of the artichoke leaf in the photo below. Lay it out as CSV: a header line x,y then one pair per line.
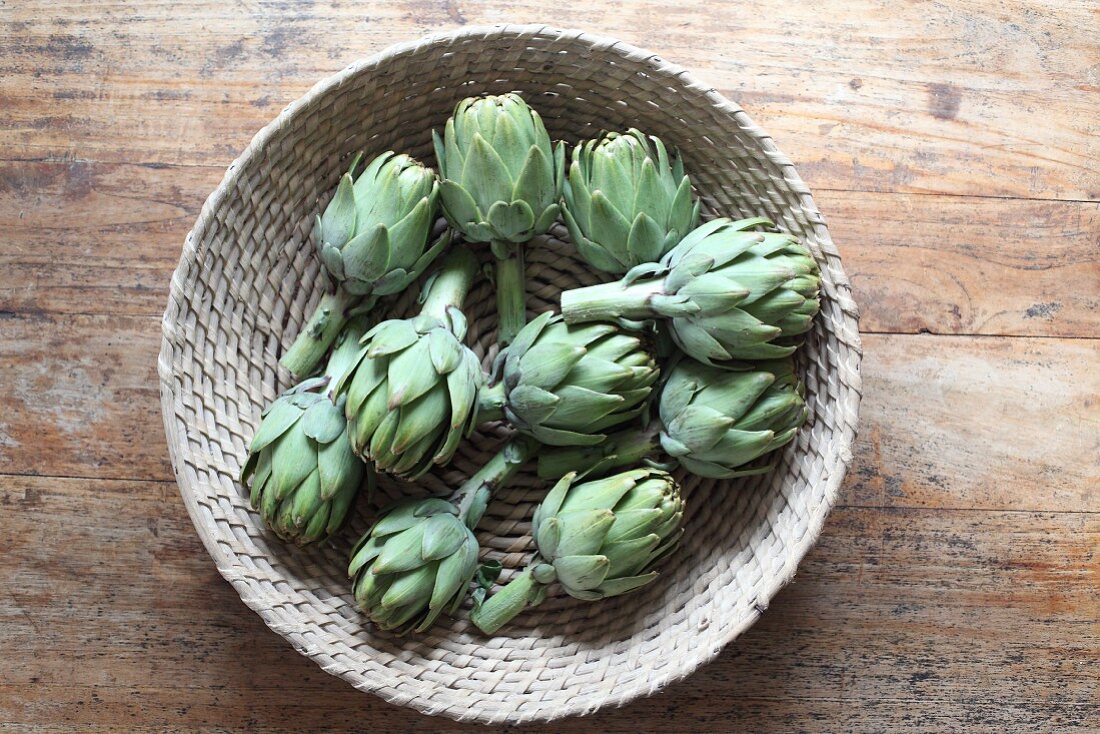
x,y
443,535
581,572
323,422
280,417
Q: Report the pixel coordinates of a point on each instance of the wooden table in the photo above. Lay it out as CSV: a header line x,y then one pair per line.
x,y
954,148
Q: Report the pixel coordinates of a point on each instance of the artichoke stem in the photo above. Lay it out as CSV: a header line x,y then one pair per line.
x,y
610,301
490,403
501,607
511,296
450,283
473,495
620,449
318,334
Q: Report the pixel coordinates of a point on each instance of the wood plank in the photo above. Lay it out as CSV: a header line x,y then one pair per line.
x,y
967,265
684,708
95,238
896,619
81,396
957,422
979,422
971,98
105,238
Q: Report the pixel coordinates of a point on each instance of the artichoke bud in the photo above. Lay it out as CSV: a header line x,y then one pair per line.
x,y
303,474
597,539
373,237
501,177
716,421
413,565
412,391
544,573
412,395
419,557
730,296
566,385
627,201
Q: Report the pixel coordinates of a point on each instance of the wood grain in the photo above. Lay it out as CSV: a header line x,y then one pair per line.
x,y
979,422
104,238
952,147
992,414
961,97
969,265
893,608
95,238
81,397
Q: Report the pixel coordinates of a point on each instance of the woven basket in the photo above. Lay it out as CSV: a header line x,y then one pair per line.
x,y
249,277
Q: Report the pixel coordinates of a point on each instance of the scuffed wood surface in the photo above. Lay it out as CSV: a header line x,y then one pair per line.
x,y
104,238
952,148
959,422
898,612
962,97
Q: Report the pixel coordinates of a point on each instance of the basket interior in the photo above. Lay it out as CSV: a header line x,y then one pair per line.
x,y
249,277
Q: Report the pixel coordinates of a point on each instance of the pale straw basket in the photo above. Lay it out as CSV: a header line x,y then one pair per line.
x,y
249,277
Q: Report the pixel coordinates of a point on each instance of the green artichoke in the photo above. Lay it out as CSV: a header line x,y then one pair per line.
x,y
418,559
627,201
303,473
628,447
729,294
412,392
565,385
713,422
414,564
373,239
716,420
501,179
373,236
597,539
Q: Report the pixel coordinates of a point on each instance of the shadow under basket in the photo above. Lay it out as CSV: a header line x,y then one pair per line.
x,y
249,277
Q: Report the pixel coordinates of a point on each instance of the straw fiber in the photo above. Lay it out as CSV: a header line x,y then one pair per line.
x,y
249,277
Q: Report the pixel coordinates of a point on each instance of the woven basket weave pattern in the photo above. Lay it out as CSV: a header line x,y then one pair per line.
x,y
249,277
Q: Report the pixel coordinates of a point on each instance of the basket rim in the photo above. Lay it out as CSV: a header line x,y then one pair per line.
x,y
228,565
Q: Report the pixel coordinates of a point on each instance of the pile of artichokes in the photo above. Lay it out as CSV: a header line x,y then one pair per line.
x,y
682,363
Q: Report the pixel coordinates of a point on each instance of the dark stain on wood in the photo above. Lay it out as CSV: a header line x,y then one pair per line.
x,y
81,179
227,53
277,40
65,94
161,95
1043,310
944,101
454,13
68,47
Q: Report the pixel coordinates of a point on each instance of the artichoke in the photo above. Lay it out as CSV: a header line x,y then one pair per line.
x,y
414,564
716,420
373,239
565,385
728,293
501,177
501,180
417,560
303,473
597,539
627,201
713,422
412,391
628,447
